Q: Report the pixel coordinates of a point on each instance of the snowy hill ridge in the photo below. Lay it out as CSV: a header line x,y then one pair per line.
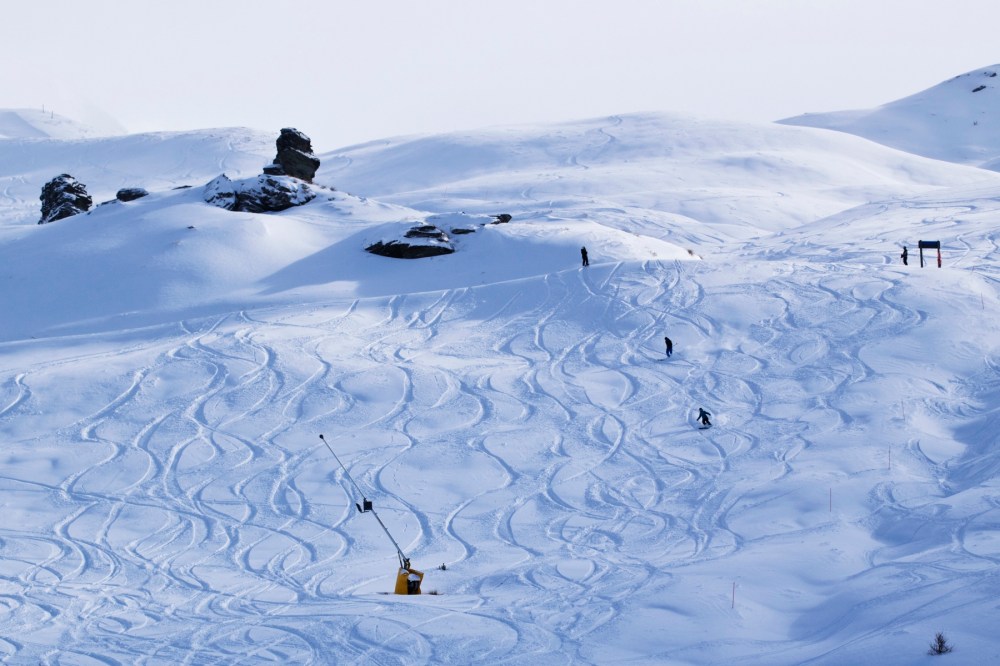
x,y
154,160
632,188
953,121
166,367
41,124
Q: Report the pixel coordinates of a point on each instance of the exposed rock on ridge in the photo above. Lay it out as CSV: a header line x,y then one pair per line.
x,y
285,183
62,197
263,194
295,157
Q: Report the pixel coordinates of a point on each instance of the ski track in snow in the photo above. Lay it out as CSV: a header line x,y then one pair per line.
x,y
205,523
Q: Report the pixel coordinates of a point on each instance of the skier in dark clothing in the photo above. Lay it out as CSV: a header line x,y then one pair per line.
x,y
904,256
583,253
670,345
703,417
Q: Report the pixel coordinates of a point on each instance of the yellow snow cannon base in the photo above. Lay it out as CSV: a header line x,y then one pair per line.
x,y
408,581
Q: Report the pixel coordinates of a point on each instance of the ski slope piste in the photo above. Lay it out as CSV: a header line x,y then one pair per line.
x,y
510,415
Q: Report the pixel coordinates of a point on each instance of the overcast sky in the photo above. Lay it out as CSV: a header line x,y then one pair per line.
x,y
345,72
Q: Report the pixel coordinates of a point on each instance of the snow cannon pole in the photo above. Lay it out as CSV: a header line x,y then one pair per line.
x,y
404,561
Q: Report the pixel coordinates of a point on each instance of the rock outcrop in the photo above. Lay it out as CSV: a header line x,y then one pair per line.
x,y
62,197
295,157
263,194
221,192
418,242
284,183
131,193
429,240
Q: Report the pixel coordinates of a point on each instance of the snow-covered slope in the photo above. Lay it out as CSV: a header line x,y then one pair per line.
x,y
673,171
511,414
629,188
155,161
40,124
953,121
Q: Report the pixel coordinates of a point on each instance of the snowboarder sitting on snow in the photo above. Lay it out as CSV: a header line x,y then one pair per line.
x,y
583,253
670,345
703,417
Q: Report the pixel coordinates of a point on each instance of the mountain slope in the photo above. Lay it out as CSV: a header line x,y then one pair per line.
x,y
38,124
631,188
155,161
670,171
511,414
953,121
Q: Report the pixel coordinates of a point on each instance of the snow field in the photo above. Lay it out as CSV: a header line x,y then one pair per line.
x,y
511,415
530,436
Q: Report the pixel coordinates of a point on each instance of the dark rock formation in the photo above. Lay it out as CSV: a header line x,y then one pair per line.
x,y
62,197
270,194
131,193
400,250
263,194
295,157
502,218
417,243
221,192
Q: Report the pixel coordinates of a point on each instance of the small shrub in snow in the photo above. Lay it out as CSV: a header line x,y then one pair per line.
x,y
940,645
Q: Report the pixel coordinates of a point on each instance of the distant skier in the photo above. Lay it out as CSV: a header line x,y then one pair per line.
x,y
904,256
583,253
670,345
703,417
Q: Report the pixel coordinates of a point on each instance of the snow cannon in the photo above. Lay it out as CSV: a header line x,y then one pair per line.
x,y
408,579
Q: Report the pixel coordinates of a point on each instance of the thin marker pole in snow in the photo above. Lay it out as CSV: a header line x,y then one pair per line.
x,y
734,595
346,473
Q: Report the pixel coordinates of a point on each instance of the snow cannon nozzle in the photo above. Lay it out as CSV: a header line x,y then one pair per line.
x,y
407,579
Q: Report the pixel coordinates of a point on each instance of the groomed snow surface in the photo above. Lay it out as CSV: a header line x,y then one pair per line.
x,y
511,414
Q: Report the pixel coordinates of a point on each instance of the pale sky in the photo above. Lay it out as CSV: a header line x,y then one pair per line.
x,y
345,72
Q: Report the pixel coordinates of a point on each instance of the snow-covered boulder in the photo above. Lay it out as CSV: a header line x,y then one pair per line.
x,y
62,197
268,194
418,242
221,192
262,194
131,193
